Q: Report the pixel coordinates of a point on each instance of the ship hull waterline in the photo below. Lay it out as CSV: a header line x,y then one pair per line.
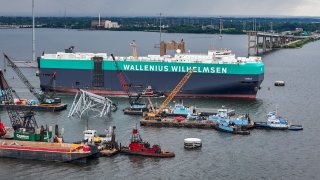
x,y
199,85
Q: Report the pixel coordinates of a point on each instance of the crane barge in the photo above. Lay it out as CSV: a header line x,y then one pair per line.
x,y
44,102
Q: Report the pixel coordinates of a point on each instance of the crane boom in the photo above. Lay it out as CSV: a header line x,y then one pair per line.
x,y
124,85
23,78
123,82
175,91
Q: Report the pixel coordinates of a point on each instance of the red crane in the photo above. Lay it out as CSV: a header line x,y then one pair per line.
x,y
125,86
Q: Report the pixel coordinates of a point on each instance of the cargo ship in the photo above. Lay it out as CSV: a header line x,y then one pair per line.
x,y
219,73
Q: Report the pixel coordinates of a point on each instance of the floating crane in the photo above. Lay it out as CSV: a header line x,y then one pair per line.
x,y
42,98
18,119
24,124
172,94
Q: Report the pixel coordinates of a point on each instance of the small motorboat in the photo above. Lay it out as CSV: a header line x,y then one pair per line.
x,y
139,147
192,143
279,83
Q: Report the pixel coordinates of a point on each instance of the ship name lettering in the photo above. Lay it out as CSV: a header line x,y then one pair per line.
x,y
205,69
21,136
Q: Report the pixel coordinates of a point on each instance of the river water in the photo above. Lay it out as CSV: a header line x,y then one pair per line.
x,y
261,155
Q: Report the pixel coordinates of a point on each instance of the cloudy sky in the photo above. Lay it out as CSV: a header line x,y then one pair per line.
x,y
167,7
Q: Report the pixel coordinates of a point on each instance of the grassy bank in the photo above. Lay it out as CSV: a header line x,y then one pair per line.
x,y
300,43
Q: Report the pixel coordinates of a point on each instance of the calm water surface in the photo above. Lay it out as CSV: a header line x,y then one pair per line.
x,y
261,155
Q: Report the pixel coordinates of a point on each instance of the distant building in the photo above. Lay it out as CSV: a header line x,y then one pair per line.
x,y
210,27
286,33
96,25
298,30
109,24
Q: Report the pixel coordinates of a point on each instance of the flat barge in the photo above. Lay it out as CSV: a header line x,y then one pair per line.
x,y
46,151
179,124
41,107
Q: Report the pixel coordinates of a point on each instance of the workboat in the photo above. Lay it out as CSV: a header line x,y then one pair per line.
x,y
242,121
106,142
277,123
149,92
225,124
274,121
180,110
192,143
136,109
217,73
139,147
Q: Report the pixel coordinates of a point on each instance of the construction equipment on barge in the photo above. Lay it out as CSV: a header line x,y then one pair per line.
x,y
178,87
135,106
45,102
106,143
23,123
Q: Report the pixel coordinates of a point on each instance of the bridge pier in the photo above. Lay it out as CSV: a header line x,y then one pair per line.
x,y
262,42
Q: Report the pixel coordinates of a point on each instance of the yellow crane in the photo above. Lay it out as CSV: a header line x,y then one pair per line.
x,y
172,94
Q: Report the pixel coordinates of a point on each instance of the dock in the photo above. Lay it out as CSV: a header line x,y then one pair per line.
x,y
41,107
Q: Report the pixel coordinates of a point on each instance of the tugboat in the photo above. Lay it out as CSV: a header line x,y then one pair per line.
x,y
3,130
139,147
234,126
276,122
228,126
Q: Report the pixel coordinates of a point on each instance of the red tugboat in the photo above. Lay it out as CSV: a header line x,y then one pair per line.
x,y
139,147
3,130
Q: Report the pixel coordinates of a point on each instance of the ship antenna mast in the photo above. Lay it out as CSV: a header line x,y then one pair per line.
x,y
33,35
160,27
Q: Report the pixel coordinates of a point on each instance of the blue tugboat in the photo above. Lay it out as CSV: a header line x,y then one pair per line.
x,y
274,121
180,110
225,124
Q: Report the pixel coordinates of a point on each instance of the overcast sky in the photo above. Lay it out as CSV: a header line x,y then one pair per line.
x,y
167,7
